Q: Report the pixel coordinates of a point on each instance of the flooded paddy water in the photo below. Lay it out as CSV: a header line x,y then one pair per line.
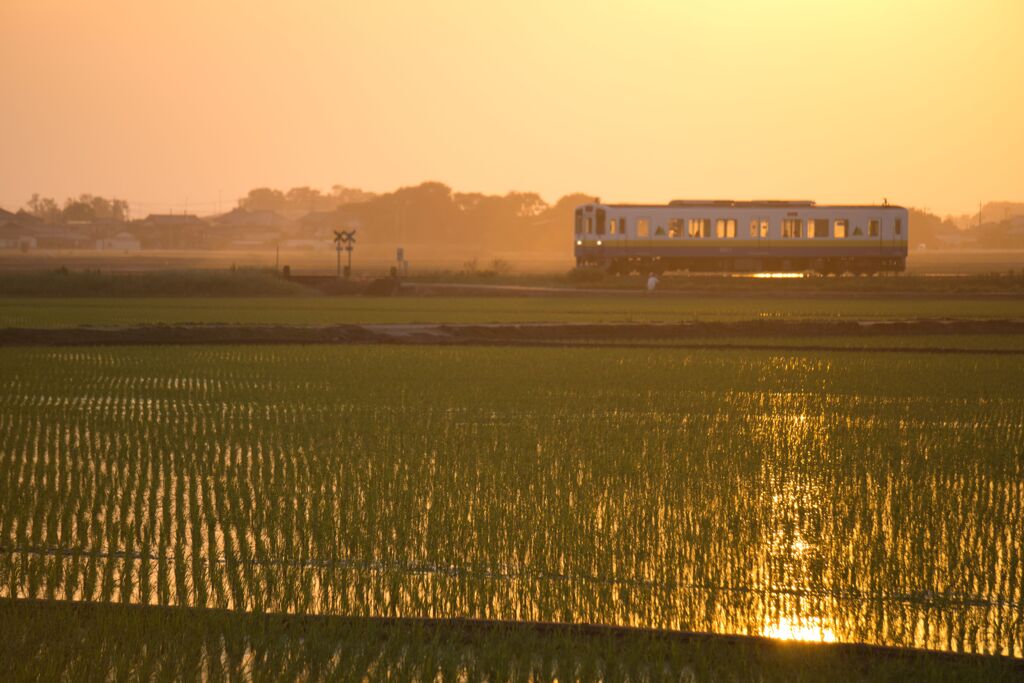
x,y
839,496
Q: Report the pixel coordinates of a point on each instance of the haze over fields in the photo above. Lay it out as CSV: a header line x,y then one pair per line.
x,y
186,106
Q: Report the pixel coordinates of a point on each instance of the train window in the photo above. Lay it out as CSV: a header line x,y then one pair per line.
x,y
659,231
622,226
764,227
643,227
590,225
899,226
676,227
700,227
817,227
839,228
759,227
613,227
873,227
792,227
600,221
725,228
579,222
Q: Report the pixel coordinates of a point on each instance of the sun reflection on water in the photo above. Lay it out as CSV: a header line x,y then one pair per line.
x,y
810,630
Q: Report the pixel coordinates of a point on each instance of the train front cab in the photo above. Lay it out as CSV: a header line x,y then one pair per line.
x,y
590,229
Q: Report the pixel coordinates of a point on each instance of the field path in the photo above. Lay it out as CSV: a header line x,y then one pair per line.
x,y
699,334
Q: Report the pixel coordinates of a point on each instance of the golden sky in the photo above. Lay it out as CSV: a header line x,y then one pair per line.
x,y
197,101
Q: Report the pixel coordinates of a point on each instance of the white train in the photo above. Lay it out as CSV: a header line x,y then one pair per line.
x,y
742,236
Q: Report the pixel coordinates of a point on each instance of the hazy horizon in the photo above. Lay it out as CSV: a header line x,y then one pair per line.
x,y
190,106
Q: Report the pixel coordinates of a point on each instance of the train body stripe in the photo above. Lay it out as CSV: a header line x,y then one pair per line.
x,y
705,244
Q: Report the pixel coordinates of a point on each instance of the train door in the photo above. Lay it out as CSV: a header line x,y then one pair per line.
x,y
875,233
759,230
896,234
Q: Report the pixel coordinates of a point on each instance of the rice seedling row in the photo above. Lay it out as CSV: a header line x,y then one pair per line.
x,y
869,498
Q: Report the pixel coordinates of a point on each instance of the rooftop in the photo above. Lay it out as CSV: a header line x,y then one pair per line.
x,y
173,219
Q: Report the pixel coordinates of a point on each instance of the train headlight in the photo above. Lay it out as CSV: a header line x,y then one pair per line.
x,y
579,243
599,243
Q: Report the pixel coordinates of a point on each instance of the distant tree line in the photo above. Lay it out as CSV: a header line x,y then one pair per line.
x,y
433,213
429,212
998,225
302,199
86,208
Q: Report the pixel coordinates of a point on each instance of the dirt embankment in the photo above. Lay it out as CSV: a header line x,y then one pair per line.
x,y
738,287
524,334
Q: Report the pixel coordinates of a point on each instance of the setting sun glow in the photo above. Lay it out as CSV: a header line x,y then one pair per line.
x,y
189,104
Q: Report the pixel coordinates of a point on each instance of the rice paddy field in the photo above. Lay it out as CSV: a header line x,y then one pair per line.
x,y
954,343
68,312
837,496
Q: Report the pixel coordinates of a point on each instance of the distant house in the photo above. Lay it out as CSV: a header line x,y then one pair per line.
x,y
248,229
319,221
62,237
15,236
17,230
322,224
244,218
122,241
25,218
1013,235
172,231
173,219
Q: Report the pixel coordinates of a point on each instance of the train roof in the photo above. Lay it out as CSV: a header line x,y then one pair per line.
x,y
753,204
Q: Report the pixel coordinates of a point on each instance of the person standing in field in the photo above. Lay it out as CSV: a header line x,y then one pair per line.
x,y
652,283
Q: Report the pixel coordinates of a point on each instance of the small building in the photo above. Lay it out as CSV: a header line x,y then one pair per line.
x,y
244,218
15,236
319,222
122,241
172,231
173,220
62,237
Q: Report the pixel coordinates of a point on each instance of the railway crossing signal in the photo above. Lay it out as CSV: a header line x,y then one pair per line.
x,y
345,239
